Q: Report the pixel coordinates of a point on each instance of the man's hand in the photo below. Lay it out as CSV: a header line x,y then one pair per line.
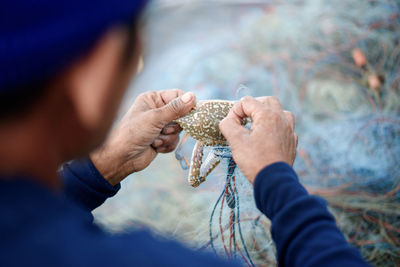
x,y
145,130
271,138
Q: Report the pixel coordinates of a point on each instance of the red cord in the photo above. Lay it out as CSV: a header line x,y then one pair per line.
x,y
220,225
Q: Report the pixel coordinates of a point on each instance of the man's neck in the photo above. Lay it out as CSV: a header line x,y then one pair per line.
x,y
27,149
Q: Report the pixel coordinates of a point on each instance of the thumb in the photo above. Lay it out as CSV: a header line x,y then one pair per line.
x,y
232,130
176,108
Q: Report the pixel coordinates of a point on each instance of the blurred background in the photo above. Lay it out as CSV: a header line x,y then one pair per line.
x,y
334,63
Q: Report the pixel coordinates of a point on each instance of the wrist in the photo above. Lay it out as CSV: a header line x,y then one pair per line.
x,y
262,164
276,185
109,165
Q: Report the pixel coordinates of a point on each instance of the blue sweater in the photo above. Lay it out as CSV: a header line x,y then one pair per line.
x,y
39,227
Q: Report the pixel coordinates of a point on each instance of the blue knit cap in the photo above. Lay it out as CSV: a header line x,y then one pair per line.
x,y
38,38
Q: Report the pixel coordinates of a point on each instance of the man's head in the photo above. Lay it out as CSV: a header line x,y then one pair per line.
x,y
73,78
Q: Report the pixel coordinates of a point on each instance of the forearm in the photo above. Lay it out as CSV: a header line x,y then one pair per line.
x,y
84,185
304,231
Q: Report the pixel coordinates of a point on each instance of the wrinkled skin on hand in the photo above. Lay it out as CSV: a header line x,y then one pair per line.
x,y
144,131
271,138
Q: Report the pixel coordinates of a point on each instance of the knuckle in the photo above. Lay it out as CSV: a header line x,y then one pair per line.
x,y
142,95
272,99
246,99
274,102
154,95
148,94
177,91
289,115
173,92
237,106
262,99
290,119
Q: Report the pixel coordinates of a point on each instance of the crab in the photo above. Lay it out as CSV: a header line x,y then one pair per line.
x,y
201,123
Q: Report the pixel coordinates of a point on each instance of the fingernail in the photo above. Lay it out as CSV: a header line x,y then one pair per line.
x,y
187,97
157,142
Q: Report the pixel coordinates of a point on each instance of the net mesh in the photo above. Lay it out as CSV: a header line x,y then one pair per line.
x,y
347,115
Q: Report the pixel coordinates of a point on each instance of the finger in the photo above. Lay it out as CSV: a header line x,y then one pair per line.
x,y
171,128
151,99
273,103
165,140
169,95
246,107
169,139
158,99
176,108
270,100
262,99
166,149
161,149
157,143
290,118
232,129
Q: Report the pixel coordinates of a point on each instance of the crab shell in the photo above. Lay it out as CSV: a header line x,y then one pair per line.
x,y
201,123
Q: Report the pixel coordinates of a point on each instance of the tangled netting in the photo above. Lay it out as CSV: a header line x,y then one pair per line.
x,y
336,66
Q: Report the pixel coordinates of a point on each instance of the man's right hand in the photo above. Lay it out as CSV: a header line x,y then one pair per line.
x,y
144,131
271,138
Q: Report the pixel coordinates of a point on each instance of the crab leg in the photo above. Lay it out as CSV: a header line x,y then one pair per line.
x,y
199,170
197,159
209,164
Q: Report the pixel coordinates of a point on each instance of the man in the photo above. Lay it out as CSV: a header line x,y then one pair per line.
x,y
64,66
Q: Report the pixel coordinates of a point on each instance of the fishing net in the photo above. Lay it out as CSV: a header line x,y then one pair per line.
x,y
309,53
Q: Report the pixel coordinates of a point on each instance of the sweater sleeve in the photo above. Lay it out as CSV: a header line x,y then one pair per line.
x,y
84,185
304,231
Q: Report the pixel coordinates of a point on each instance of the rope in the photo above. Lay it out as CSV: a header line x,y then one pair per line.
x,y
231,195
211,219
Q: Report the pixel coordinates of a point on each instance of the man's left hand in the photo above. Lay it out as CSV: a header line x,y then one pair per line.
x,y
145,130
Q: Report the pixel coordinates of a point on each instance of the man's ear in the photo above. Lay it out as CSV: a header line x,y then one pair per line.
x,y
90,79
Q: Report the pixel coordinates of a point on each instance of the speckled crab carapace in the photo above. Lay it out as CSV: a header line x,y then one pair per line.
x,y
201,123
